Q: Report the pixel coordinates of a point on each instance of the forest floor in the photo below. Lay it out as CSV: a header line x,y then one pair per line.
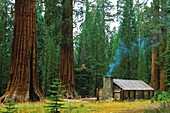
x,y
77,106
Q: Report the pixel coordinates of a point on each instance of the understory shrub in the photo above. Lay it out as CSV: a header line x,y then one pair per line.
x,y
164,98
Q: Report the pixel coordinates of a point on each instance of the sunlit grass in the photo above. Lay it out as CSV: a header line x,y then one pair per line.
x,y
31,107
87,107
114,107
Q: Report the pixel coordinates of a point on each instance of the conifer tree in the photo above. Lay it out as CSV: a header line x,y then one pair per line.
x,y
142,64
51,48
128,34
6,31
167,65
55,97
167,53
163,41
142,42
40,33
66,71
159,34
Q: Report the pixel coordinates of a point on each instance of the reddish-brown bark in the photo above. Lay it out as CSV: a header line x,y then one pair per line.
x,y
163,41
162,56
162,79
154,70
66,73
155,78
23,81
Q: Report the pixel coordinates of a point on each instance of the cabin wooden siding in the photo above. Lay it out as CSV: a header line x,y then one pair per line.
x,y
132,93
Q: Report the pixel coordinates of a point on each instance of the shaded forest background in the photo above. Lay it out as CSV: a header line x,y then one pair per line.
x,y
138,49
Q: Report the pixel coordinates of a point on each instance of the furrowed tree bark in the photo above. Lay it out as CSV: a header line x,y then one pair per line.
x,y
66,72
155,78
162,55
23,81
154,66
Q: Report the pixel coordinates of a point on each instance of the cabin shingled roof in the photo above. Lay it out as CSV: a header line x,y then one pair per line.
x,y
132,84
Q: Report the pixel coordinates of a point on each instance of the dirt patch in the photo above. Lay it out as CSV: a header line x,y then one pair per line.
x,y
83,100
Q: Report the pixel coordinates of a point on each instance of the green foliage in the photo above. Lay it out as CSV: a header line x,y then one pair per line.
x,y
167,56
70,108
85,82
40,32
142,72
55,103
9,107
162,96
167,65
48,34
88,107
76,109
93,45
6,31
128,33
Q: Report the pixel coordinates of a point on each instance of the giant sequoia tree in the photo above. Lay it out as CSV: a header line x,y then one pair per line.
x,y
23,81
66,73
159,40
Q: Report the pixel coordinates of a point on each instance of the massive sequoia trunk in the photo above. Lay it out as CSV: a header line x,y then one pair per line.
x,y
23,81
66,73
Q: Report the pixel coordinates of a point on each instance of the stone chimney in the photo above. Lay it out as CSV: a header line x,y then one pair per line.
x,y
107,88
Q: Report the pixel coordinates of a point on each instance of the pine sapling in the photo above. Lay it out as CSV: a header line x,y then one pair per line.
x,y
55,97
10,106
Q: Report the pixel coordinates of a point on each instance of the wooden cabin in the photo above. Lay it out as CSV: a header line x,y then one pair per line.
x,y
120,89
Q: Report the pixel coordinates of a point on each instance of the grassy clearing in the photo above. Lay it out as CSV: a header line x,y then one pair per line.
x,y
113,107
86,107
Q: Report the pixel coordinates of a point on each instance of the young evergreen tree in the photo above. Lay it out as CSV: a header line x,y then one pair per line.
x,y
55,97
10,106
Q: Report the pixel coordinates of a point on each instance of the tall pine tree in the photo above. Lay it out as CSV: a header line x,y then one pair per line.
x,y
128,34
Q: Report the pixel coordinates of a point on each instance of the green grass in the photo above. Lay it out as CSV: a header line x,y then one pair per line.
x,y
87,107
